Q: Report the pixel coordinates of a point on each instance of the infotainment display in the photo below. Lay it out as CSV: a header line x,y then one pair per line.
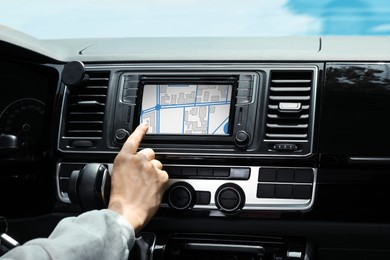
x,y
187,108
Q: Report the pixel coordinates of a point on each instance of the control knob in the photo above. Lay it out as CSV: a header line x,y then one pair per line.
x,y
242,138
230,198
90,187
181,196
121,135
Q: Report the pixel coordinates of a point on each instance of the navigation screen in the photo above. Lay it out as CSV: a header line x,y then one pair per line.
x,y
186,109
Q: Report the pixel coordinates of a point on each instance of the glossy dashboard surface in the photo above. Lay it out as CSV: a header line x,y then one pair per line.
x,y
355,108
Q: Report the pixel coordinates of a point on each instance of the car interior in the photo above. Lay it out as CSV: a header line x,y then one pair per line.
x,y
275,147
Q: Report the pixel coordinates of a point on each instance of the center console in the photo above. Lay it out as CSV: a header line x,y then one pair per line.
x,y
234,138
208,114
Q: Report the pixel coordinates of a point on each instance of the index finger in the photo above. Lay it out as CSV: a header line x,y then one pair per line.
x,y
132,143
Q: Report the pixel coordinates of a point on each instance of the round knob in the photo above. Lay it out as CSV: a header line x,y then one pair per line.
x,y
181,196
90,187
242,138
230,198
121,135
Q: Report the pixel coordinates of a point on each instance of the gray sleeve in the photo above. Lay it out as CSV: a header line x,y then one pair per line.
x,y
102,234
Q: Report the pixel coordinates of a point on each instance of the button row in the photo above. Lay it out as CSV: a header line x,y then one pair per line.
x,y
245,90
286,175
284,191
208,173
285,147
130,90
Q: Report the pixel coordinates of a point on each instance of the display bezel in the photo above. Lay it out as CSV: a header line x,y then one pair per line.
x,y
189,79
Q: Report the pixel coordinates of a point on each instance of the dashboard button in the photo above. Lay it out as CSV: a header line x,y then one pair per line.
x,y
203,197
267,175
188,172
173,172
303,175
302,192
285,147
244,91
266,190
240,173
130,92
243,99
205,172
283,191
129,99
285,175
221,172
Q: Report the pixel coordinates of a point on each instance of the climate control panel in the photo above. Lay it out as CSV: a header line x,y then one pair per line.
x,y
231,189
228,189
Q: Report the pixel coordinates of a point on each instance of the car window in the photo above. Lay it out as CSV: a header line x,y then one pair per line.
x,y
47,19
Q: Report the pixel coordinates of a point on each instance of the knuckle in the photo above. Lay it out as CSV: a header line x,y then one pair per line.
x,y
120,158
151,152
164,177
140,157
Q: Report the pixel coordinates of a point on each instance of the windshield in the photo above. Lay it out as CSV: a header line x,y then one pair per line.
x,y
53,19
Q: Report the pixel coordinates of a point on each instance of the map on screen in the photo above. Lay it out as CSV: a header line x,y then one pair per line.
x,y
186,109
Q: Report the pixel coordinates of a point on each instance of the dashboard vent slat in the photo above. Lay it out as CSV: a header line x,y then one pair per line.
x,y
290,89
273,97
86,107
289,105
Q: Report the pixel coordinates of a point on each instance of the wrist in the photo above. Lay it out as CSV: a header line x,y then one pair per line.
x,y
133,216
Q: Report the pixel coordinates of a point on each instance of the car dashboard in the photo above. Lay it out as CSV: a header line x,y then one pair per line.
x,y
276,148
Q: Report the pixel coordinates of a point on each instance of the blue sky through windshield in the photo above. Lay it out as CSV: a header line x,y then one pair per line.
x,y
347,17
48,19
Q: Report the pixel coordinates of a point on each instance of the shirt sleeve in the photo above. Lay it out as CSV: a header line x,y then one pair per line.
x,y
98,234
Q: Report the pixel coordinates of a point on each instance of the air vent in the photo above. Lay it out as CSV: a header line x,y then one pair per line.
x,y
289,103
86,106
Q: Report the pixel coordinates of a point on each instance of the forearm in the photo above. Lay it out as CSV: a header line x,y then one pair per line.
x,y
93,235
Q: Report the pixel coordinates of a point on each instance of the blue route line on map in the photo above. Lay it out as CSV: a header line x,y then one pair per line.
x,y
186,105
226,119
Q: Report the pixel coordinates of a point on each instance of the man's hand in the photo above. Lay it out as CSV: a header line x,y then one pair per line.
x,y
138,181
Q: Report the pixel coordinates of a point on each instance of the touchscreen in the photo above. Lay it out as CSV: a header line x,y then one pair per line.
x,y
186,109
